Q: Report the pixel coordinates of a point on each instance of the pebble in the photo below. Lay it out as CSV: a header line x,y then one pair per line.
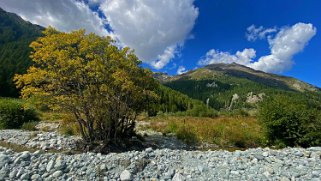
x,y
4,159
125,176
178,177
57,174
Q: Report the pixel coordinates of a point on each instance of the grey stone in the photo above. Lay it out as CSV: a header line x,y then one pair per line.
x,y
265,154
4,172
315,173
35,177
178,177
125,176
148,150
25,176
4,159
13,173
169,174
25,155
57,173
50,165
60,164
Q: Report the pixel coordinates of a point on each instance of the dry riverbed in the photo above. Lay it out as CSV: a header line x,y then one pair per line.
x,y
169,160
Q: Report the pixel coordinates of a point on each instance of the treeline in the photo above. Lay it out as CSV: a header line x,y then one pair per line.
x,y
171,101
219,92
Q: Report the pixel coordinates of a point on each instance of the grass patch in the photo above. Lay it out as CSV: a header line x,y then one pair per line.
x,y
238,131
52,116
29,126
69,126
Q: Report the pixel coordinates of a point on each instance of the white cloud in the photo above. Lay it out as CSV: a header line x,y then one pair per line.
x,y
65,15
154,29
253,33
287,42
215,56
181,70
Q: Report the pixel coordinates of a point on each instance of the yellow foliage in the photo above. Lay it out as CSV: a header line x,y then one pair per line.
x,y
100,84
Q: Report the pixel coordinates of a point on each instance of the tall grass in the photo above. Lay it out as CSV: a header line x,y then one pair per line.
x,y
237,131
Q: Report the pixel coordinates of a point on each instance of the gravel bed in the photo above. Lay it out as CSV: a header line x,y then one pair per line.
x,y
39,139
165,164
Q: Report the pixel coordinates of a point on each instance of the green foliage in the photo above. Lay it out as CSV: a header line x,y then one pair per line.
x,y
69,126
15,37
220,97
187,136
29,126
174,102
216,84
291,121
13,114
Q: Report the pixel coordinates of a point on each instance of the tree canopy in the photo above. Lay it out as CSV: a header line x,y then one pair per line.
x,y
87,75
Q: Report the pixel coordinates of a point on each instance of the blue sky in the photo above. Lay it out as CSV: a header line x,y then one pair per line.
x,y
278,36
222,25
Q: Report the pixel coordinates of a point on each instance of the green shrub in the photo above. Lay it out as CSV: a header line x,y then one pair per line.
x,y
290,121
186,135
69,126
201,111
13,114
29,126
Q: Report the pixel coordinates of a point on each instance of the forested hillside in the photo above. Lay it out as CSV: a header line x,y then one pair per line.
x,y
233,86
15,37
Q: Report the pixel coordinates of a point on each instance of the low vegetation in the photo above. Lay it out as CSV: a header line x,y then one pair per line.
x,y
29,126
238,131
69,126
14,113
291,121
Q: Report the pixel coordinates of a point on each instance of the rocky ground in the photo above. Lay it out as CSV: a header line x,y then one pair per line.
x,y
164,164
168,161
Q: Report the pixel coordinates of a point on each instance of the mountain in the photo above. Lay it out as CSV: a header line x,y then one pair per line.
x,y
15,37
232,86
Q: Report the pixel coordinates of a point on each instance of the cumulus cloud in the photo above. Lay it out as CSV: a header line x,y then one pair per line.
x,y
154,29
253,33
286,43
181,70
215,56
65,15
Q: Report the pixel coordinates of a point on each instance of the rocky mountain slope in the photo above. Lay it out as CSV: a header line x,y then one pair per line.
x,y
220,84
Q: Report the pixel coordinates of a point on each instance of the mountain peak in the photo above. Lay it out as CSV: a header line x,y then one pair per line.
x,y
228,73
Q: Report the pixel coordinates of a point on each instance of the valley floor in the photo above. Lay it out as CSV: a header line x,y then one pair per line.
x,y
169,161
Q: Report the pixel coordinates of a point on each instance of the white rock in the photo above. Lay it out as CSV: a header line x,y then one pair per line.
x,y
25,176
60,164
25,155
35,177
37,153
125,176
57,173
50,165
4,159
148,150
178,177
265,154
13,174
